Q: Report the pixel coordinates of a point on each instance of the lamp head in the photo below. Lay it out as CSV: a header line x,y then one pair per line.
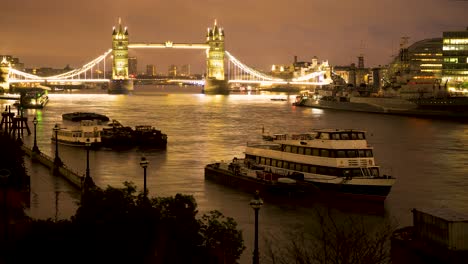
x,y
35,121
256,202
88,142
144,162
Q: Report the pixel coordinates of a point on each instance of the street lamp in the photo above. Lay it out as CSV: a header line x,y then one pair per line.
x,y
144,164
4,175
256,203
88,144
35,149
57,160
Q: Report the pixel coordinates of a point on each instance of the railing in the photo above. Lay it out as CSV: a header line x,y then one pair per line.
x,y
67,173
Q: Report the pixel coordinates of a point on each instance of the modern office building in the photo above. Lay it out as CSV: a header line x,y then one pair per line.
x,y
132,67
455,60
184,70
150,70
420,61
172,71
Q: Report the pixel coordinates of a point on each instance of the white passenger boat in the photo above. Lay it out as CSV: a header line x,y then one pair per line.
x,y
78,134
336,161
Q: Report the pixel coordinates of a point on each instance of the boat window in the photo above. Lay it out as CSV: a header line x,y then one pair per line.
x,y
340,154
356,172
273,163
369,153
346,173
351,153
313,169
344,136
361,136
332,153
333,171
325,153
300,150
324,136
257,160
335,136
375,171
322,170
285,164
262,161
298,167
361,153
305,168
280,164
292,165
287,148
308,151
315,152
294,149
353,136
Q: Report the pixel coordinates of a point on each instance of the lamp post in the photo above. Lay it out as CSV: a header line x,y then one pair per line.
x,y
256,203
88,144
35,149
144,164
57,160
4,175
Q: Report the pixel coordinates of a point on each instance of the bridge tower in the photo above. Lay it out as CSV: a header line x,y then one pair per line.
x,y
120,83
5,67
215,82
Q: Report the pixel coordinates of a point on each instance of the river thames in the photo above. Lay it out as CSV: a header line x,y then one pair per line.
x,y
428,157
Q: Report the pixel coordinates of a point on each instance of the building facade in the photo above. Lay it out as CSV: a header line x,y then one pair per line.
x,y
132,67
455,60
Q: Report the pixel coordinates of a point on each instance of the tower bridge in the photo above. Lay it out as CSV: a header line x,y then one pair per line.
x,y
222,67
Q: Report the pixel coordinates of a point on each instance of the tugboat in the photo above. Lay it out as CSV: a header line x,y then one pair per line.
x,y
116,135
148,136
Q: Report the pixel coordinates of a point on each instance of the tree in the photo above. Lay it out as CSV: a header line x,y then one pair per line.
x,y
350,242
119,225
221,237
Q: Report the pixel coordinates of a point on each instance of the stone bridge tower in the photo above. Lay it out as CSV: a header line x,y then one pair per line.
x,y
120,83
215,82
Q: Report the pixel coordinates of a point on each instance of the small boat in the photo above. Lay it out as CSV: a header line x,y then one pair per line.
x,y
35,99
334,162
116,135
148,136
78,135
79,116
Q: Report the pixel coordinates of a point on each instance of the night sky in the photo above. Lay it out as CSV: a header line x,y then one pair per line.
x,y
54,33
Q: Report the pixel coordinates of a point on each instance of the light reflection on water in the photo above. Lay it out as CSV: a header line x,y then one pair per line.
x,y
428,157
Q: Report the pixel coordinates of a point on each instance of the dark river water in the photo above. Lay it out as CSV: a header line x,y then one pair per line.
x,y
429,158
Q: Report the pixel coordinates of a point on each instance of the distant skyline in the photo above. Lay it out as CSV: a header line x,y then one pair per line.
x,y
53,33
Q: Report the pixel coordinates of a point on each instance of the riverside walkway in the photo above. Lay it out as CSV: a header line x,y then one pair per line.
x,y
74,178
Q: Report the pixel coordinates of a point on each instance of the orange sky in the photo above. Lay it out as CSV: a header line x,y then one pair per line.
x,y
260,33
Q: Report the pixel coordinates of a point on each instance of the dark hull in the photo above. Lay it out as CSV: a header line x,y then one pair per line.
x,y
442,104
248,184
354,192
300,189
422,110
